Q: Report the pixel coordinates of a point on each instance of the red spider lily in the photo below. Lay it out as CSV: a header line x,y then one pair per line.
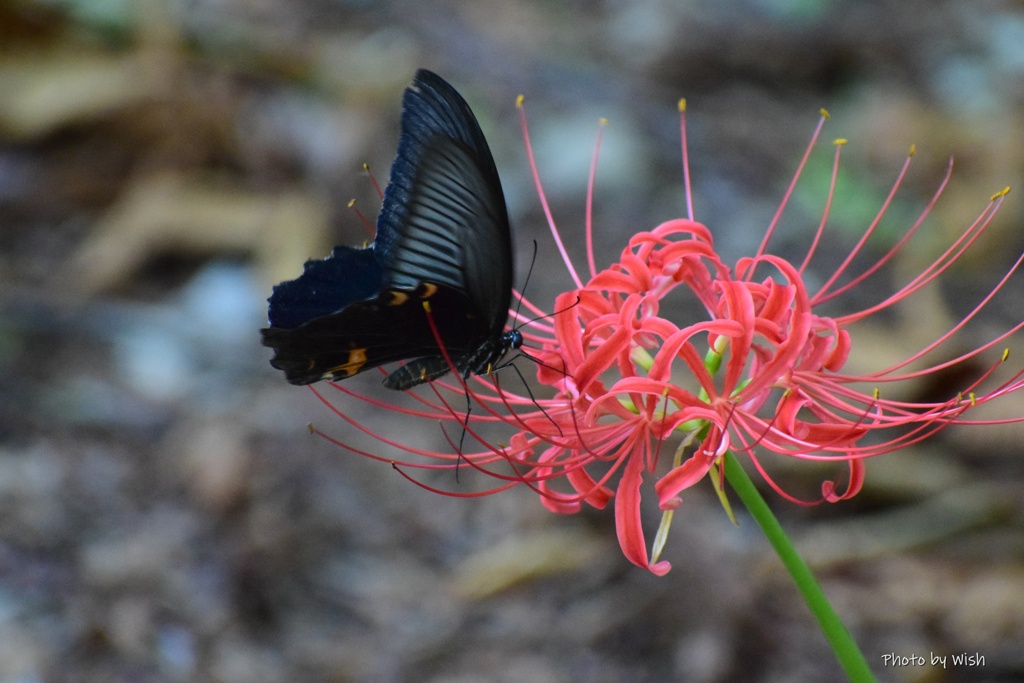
x,y
762,372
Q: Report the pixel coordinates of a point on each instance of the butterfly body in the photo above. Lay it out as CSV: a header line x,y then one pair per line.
x,y
439,272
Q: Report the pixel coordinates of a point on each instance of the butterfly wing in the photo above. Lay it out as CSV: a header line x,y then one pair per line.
x,y
390,327
443,238
444,218
326,286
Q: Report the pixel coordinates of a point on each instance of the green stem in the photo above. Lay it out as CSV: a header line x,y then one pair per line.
x,y
846,650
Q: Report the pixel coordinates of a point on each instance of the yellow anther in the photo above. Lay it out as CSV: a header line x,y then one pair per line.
x,y
1002,193
839,142
519,101
913,150
1006,354
682,104
825,114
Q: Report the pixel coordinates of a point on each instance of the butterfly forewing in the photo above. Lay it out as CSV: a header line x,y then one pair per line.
x,y
449,192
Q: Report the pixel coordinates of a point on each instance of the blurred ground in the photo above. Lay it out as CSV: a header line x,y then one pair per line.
x,y
165,516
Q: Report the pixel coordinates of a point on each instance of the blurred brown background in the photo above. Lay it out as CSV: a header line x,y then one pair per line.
x,y
165,516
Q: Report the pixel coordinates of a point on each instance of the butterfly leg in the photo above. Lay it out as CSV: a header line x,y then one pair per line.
x,y
529,392
465,425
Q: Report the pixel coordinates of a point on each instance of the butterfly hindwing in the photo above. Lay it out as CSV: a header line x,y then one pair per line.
x,y
348,275
443,239
390,327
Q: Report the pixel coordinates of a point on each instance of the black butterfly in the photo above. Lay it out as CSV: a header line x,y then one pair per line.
x,y
443,243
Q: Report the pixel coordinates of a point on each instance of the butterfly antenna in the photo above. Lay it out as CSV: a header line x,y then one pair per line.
x,y
552,315
521,353
522,292
529,273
